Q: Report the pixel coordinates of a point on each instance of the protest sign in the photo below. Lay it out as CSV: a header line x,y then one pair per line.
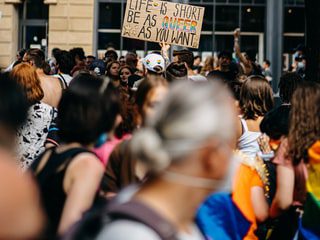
x,y
161,21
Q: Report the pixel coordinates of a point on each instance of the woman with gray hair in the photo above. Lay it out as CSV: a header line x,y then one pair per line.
x,y
187,147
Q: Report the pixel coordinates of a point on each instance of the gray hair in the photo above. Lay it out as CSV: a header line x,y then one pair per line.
x,y
190,115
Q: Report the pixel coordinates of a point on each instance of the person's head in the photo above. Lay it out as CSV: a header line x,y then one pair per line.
x,y
176,71
78,54
82,114
186,139
110,55
276,122
131,59
65,62
13,111
288,84
55,52
304,120
184,56
208,64
98,67
89,60
27,78
196,61
224,60
125,72
34,57
20,54
122,61
256,97
266,64
112,70
149,94
154,63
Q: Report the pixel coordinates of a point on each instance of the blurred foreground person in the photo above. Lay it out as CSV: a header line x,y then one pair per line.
x,y
21,216
11,97
188,158
69,175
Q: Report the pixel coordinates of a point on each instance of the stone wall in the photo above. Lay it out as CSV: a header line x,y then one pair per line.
x,y
70,25
8,32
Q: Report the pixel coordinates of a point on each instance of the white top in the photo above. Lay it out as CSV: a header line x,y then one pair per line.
x,y
197,78
64,77
248,142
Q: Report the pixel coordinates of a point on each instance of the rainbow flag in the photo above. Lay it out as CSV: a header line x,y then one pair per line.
x,y
219,218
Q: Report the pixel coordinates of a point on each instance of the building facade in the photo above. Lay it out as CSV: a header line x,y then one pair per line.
x,y
96,25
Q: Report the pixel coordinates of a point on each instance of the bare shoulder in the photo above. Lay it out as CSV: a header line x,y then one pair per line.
x,y
86,163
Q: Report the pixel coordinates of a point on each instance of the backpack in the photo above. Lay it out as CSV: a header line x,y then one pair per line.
x,y
95,220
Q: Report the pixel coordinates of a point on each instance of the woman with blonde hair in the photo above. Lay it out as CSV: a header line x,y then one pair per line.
x,y
32,135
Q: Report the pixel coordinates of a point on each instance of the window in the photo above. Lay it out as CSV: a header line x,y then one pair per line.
x,y
109,15
294,20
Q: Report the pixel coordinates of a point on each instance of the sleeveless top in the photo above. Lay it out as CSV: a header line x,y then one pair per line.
x,y
248,142
50,180
32,135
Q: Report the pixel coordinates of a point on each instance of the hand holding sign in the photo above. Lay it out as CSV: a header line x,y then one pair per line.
x,y
160,21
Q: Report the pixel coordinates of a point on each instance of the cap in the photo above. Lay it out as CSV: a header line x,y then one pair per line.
x,y
154,62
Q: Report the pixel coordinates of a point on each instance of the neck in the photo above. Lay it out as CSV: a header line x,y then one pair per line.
x,y
175,202
40,71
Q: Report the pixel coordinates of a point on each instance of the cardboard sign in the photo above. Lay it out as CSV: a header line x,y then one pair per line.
x,y
161,21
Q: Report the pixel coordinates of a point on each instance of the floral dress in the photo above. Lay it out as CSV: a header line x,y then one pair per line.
x,y
32,135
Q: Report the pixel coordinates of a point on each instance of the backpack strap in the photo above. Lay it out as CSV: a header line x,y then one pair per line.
x,y
63,82
66,157
139,212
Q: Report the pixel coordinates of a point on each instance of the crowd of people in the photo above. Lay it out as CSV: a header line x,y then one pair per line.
x,y
158,147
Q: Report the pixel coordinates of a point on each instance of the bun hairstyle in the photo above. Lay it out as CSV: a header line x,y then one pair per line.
x,y
190,115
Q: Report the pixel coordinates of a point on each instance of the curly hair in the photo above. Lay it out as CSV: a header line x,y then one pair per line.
x,y
304,120
27,78
288,84
256,97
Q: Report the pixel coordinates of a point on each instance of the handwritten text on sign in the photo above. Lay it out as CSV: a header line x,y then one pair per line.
x,y
160,21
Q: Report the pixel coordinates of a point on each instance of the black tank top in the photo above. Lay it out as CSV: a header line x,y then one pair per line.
x,y
50,181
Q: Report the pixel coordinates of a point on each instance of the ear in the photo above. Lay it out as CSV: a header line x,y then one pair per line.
x,y
215,161
31,62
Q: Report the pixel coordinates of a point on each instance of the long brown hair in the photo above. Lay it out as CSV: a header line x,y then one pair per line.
x,y
256,97
27,78
304,120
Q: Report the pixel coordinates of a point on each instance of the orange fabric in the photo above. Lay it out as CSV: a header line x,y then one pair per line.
x,y
244,180
314,153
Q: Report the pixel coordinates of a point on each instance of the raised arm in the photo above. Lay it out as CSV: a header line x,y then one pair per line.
x,y
237,49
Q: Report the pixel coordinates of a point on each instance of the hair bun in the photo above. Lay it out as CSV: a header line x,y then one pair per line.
x,y
146,146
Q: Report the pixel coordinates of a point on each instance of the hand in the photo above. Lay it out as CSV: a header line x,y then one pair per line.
x,y
236,33
164,47
263,142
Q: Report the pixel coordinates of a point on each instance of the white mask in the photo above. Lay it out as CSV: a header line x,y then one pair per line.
x,y
223,185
